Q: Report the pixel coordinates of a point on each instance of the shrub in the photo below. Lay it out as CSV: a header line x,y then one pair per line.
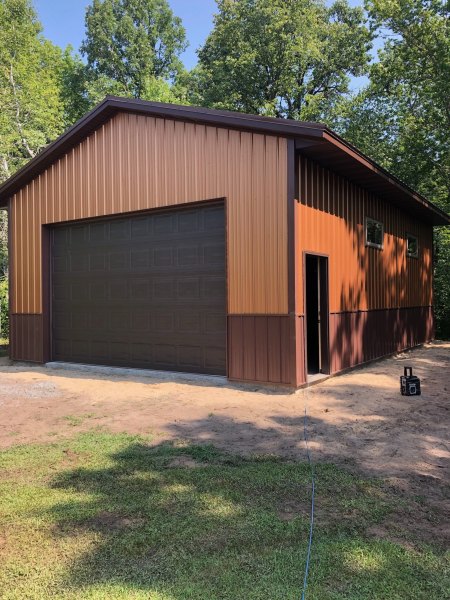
x,y
4,309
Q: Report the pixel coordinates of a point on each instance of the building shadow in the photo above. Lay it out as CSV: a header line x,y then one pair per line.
x,y
185,520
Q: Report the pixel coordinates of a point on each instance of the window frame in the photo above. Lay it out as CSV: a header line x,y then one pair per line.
x,y
373,244
408,254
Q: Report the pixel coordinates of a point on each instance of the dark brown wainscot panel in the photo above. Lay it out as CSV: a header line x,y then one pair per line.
x,y
27,338
361,336
258,348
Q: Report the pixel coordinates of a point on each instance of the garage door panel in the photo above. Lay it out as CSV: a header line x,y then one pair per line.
x,y
60,264
97,291
140,259
190,357
98,233
78,234
117,291
115,331
120,229
79,321
98,318
138,289
204,258
213,254
97,262
60,239
140,227
162,258
144,291
140,320
163,223
142,354
215,359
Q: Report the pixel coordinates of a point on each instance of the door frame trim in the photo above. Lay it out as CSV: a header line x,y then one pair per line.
x,y
46,282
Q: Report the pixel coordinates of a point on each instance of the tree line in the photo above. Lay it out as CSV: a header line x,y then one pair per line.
x,y
285,58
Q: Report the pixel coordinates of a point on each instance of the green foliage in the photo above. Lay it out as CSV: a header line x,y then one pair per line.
x,y
4,308
31,109
285,58
75,92
31,104
132,50
3,244
84,88
135,44
442,283
118,517
402,118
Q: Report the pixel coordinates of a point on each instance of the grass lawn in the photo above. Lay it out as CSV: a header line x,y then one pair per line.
x,y
4,344
107,516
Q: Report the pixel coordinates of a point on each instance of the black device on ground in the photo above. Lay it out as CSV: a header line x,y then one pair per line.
x,y
409,383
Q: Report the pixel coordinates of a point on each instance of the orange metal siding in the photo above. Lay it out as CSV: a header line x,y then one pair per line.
x,y
135,162
329,219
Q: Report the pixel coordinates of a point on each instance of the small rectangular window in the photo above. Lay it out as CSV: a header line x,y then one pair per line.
x,y
412,246
374,233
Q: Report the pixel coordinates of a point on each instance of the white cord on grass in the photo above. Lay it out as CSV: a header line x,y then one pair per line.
x,y
311,524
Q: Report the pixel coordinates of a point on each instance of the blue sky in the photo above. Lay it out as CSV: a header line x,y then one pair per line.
x,y
63,22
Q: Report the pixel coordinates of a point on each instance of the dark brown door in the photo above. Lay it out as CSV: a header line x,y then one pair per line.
x,y
144,291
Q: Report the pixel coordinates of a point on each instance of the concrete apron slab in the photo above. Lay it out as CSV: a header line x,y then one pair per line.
x,y
216,380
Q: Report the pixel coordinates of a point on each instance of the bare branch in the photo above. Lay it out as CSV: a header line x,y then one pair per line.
x,y
19,126
4,167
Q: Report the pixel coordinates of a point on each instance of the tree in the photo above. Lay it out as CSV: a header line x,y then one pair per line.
x,y
83,87
3,244
285,58
407,101
133,46
31,101
31,108
4,309
402,118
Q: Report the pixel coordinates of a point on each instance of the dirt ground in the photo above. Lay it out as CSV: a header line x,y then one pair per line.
x,y
358,418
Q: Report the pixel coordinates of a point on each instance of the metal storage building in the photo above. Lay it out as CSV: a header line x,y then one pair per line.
x,y
179,238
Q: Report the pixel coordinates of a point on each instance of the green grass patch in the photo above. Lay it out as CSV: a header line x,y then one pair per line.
x,y
106,516
77,420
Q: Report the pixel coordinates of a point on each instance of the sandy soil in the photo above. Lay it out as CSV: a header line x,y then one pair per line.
x,y
358,418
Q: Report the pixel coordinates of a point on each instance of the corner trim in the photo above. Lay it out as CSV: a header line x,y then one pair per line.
x,y
10,275
292,183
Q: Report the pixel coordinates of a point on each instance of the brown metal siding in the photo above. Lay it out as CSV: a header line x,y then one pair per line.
x,y
357,337
258,349
26,338
331,151
135,162
330,220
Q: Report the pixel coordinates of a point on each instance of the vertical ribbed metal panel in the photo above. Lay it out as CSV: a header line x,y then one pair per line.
x,y
330,220
258,349
135,163
26,338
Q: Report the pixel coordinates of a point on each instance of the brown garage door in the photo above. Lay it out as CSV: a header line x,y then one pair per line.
x,y
143,291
